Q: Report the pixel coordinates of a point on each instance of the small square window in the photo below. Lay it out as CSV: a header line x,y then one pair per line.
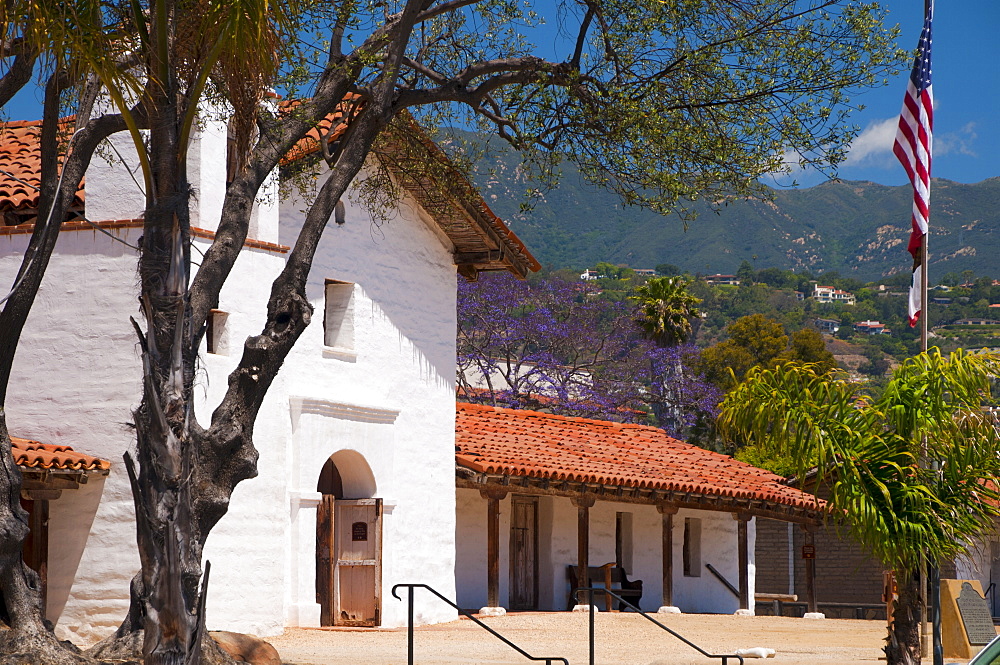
x,y
692,547
217,333
338,318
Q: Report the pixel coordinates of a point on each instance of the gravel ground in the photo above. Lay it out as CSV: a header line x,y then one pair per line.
x,y
622,639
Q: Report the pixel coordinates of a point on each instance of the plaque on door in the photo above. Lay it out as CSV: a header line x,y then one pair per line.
x,y
359,531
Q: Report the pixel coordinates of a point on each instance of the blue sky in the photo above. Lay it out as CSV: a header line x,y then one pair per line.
x,y
966,79
966,90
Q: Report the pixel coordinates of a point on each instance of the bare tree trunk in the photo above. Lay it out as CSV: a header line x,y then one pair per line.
x,y
903,643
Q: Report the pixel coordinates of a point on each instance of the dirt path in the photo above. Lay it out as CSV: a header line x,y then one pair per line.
x,y
622,639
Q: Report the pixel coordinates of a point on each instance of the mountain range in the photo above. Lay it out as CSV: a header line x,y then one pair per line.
x,y
858,229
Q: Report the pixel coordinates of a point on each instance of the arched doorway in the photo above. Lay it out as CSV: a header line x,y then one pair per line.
x,y
348,543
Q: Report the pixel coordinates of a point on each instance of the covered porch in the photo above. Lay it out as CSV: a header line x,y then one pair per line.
x,y
539,494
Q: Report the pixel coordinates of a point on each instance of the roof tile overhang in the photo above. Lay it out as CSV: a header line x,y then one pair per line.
x,y
528,451
48,468
481,240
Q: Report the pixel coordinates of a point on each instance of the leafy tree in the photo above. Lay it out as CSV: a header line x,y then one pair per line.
x,y
807,346
874,457
875,364
753,340
667,270
745,273
661,102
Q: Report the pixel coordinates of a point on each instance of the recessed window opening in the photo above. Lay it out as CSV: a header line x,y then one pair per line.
x,y
692,547
338,318
217,333
623,541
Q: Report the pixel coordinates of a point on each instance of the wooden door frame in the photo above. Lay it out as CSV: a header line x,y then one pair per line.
x,y
325,532
533,501
377,565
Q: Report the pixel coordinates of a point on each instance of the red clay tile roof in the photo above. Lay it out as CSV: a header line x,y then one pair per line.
x,y
34,456
310,143
539,445
21,156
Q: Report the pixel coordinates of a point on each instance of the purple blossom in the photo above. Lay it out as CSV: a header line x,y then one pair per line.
x,y
558,346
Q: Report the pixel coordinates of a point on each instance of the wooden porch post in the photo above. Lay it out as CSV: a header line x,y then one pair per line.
x,y
583,503
667,513
810,565
744,558
493,498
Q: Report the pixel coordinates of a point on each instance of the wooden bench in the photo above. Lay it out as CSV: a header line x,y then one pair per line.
x,y
611,577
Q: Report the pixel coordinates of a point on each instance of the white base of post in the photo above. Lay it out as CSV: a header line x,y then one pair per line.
x,y
813,615
668,609
743,613
756,652
492,612
584,608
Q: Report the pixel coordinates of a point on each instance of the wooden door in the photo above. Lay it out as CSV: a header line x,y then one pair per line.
x,y
357,571
325,559
524,553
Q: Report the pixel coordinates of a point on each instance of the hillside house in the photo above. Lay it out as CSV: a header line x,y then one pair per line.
x,y
829,326
871,328
829,294
728,280
358,427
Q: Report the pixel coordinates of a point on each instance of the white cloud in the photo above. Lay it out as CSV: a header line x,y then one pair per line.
x,y
873,146
959,142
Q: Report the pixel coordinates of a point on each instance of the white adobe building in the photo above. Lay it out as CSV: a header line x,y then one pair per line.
x,y
541,494
360,421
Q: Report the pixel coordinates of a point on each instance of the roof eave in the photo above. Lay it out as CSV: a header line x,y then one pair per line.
x,y
467,478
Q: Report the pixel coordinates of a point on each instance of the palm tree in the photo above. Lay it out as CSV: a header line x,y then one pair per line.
x,y
664,312
915,471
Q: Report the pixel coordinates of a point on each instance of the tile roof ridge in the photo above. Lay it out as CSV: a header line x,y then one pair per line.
x,y
17,124
581,419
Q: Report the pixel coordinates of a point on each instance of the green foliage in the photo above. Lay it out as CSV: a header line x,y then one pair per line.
x,y
763,458
753,340
871,452
745,273
807,346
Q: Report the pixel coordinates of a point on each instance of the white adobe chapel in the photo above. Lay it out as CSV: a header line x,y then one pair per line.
x,y
362,413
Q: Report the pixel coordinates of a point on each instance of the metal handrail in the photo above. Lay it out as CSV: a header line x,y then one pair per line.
x,y
409,625
590,592
722,578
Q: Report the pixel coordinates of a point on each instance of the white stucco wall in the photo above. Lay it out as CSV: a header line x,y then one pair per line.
x,y
390,400
558,549
74,381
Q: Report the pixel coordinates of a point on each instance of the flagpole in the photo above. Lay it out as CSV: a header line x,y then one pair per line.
x,y
934,572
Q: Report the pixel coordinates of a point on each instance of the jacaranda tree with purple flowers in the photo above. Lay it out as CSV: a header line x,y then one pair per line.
x,y
558,346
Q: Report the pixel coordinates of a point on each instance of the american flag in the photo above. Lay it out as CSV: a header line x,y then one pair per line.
x,y
913,148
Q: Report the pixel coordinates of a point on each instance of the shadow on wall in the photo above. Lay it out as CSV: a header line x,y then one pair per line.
x,y
70,520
